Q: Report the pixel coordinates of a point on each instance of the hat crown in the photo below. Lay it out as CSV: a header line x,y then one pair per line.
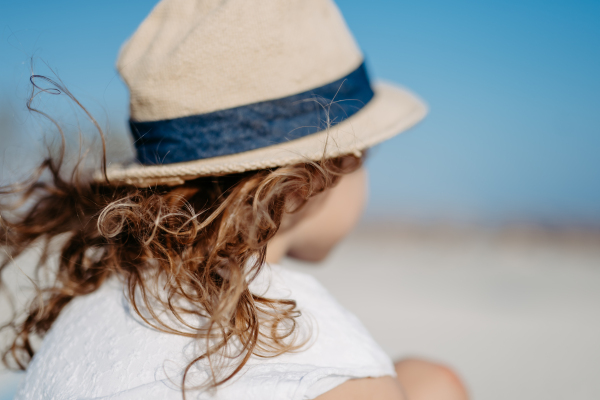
x,y
192,57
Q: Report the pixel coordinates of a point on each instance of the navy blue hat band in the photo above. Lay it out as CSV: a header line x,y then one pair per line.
x,y
251,126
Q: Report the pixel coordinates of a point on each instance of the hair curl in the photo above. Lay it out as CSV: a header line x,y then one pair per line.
x,y
203,241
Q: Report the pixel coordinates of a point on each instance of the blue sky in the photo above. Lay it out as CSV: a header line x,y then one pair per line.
x,y
513,88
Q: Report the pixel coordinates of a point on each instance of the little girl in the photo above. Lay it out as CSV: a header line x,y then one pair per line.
x,y
250,120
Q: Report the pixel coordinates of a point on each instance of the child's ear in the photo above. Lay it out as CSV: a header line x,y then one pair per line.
x,y
294,202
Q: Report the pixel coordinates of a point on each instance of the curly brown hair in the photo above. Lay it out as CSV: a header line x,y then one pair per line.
x,y
203,241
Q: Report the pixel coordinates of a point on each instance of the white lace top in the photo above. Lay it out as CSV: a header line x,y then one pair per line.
x,y
99,349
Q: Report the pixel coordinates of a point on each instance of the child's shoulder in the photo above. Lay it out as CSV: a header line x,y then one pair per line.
x,y
96,348
100,342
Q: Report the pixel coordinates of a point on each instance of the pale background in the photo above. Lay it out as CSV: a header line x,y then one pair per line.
x,y
480,246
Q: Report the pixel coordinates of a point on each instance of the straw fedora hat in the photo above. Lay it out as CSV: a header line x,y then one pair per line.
x,y
224,86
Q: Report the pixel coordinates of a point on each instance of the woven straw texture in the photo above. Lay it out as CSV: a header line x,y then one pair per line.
x,y
192,57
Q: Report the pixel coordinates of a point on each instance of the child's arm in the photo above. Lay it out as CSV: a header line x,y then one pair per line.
x,y
417,380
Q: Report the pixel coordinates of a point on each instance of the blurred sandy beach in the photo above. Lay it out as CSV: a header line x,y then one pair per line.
x,y
514,310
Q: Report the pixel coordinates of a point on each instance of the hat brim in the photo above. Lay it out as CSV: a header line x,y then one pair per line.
x,y
391,111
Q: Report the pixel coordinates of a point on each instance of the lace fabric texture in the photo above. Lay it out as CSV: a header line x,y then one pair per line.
x,y
99,349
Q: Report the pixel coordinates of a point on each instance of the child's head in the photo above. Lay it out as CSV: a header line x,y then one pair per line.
x,y
250,119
